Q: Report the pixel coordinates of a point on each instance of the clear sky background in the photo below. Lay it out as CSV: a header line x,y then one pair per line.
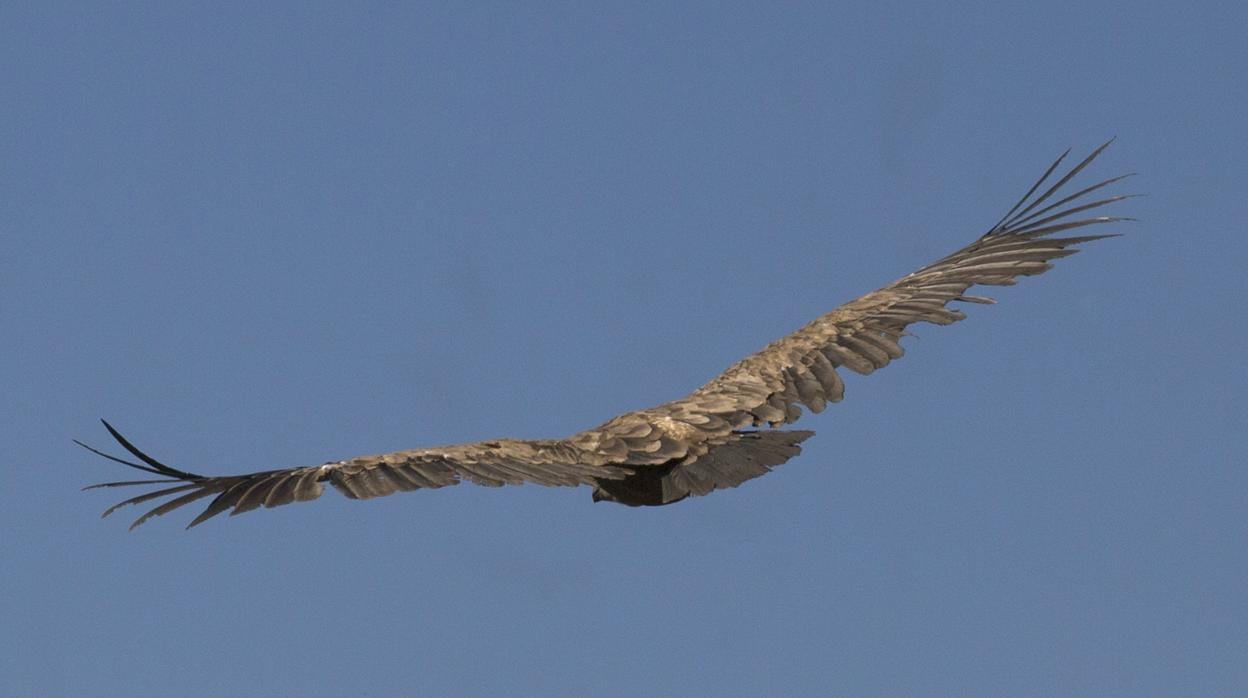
x,y
255,238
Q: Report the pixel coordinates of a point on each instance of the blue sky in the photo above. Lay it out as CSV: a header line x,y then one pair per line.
x,y
261,237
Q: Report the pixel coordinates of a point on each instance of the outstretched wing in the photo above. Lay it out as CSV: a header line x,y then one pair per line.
x,y
490,463
769,387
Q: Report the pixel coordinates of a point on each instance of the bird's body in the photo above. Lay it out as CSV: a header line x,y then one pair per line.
x,y
718,436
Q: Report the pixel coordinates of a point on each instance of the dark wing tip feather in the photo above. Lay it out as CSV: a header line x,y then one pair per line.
x,y
128,483
160,467
148,496
115,459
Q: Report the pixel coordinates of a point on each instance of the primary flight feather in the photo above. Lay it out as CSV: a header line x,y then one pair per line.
x,y
718,436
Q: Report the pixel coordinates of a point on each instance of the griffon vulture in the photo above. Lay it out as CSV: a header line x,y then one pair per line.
x,y
718,436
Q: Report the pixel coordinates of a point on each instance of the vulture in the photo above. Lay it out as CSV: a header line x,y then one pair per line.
x,y
718,436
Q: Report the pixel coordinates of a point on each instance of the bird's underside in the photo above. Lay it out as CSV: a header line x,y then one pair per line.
x,y
718,436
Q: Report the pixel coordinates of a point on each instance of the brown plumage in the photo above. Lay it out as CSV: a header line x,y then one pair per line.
x,y
718,436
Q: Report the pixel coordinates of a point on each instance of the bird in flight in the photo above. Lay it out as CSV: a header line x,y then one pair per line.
x,y
718,436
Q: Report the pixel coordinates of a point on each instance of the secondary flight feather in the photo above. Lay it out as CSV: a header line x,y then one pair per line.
x,y
718,436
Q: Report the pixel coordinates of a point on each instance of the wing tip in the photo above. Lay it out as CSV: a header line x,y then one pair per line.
x,y
1018,213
